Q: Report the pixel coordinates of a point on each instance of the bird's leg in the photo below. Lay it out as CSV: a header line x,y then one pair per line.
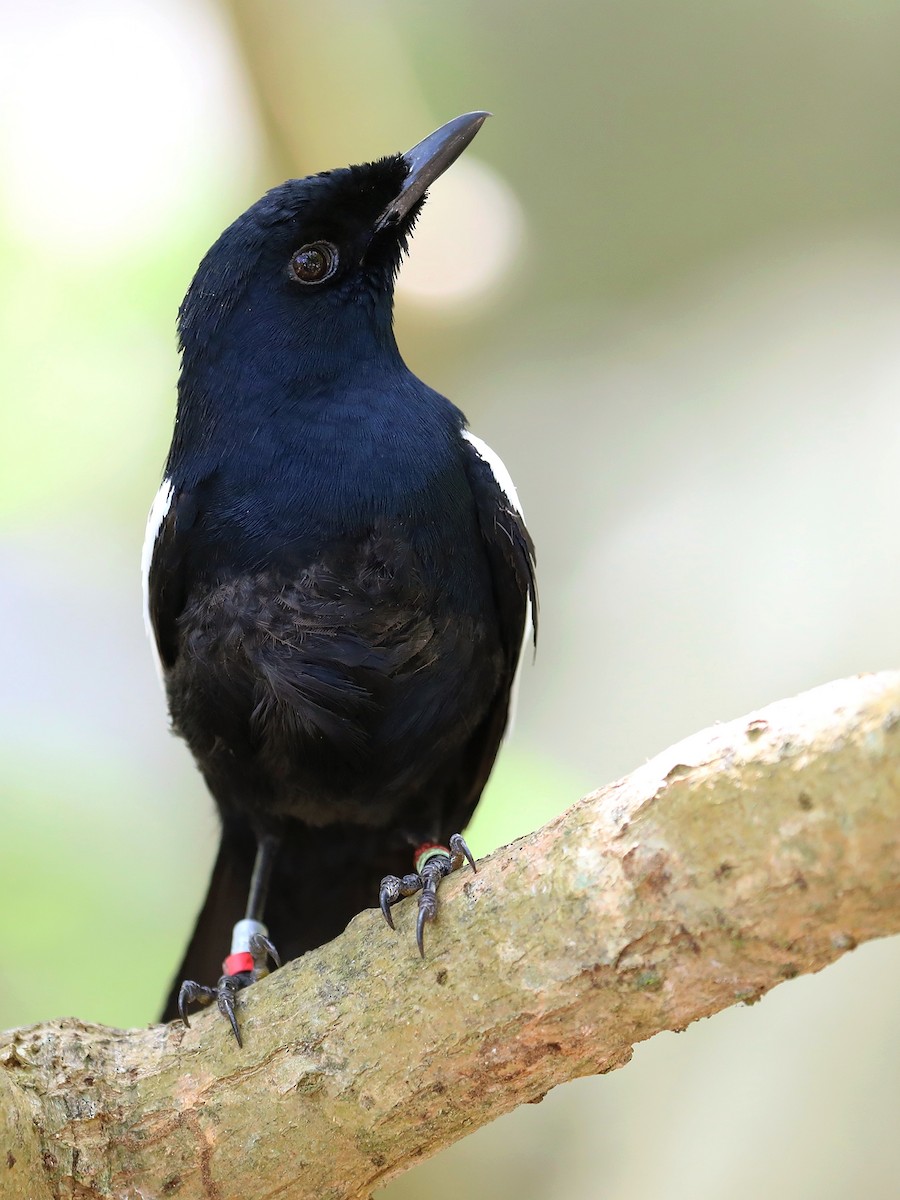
x,y
433,863
266,853
250,947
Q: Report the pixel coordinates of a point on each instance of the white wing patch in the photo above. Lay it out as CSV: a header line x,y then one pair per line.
x,y
161,504
498,468
508,488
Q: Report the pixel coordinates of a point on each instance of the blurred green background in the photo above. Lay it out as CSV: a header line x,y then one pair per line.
x,y
665,284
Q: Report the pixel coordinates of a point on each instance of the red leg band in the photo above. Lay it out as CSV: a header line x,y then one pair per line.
x,y
235,964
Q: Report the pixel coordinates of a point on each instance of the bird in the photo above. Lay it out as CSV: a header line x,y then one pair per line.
x,y
338,578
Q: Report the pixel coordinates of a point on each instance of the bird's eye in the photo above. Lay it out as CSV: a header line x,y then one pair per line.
x,y
314,263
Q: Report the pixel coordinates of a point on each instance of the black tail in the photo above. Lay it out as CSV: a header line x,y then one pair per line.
x,y
322,879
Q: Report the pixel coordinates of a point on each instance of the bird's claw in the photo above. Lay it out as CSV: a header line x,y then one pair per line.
x,y
460,853
393,889
193,993
433,864
261,949
226,990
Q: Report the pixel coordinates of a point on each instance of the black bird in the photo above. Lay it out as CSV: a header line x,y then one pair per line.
x,y
338,578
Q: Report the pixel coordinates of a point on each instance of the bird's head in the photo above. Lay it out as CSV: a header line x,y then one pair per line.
x,y
313,262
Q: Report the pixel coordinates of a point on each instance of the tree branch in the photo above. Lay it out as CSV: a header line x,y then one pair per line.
x,y
748,854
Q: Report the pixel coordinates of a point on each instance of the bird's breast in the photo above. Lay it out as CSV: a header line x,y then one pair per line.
x,y
330,689
310,495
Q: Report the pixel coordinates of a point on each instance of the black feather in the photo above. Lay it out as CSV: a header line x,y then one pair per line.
x,y
339,588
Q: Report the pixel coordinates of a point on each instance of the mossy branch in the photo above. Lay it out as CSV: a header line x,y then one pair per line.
x,y
748,854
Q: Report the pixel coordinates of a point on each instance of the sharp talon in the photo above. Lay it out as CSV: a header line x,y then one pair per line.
x,y
260,946
188,993
388,894
435,862
394,889
183,1000
432,874
458,847
226,1008
251,950
226,990
223,993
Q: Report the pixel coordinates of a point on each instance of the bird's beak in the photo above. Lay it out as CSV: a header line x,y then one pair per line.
x,y
429,159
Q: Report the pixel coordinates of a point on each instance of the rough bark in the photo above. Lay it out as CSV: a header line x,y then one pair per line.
x,y
748,854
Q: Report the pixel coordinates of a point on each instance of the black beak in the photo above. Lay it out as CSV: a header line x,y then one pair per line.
x,y
429,159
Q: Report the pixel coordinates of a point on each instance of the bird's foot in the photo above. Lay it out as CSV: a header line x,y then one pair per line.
x,y
433,863
242,967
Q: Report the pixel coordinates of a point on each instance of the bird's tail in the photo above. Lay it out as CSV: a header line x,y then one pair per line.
x,y
321,880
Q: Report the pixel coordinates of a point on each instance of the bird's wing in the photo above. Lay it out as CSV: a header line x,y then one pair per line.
x,y
162,563
508,543
511,557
